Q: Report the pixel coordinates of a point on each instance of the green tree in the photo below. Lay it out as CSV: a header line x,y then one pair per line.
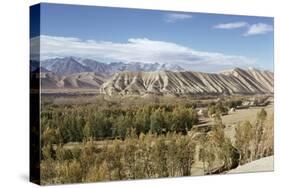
x,y
130,158
122,124
160,157
89,155
48,171
101,126
185,155
48,152
88,131
206,153
222,145
258,130
182,119
243,139
157,121
261,116
69,172
113,161
142,120
172,153
49,136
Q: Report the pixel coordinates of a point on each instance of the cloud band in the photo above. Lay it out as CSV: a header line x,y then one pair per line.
x,y
135,49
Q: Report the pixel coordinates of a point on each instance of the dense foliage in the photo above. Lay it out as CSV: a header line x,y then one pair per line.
x,y
146,156
73,123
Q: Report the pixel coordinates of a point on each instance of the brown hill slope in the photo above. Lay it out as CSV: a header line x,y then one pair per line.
x,y
236,81
91,80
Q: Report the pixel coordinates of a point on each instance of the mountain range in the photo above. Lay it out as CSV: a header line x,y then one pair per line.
x,y
237,81
119,78
72,65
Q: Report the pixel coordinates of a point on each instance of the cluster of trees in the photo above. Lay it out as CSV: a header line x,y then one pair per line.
x,y
222,107
147,156
145,141
215,148
217,108
252,141
233,103
255,140
74,123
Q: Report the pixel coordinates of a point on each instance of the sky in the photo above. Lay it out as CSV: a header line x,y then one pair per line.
x,y
195,41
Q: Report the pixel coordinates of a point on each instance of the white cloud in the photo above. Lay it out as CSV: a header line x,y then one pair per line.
x,y
232,25
254,29
135,49
174,17
259,28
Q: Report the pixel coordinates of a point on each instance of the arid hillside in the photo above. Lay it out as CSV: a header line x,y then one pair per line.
x,y
175,83
82,80
236,81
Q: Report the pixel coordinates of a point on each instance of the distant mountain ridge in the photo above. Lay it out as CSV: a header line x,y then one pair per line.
x,y
64,66
236,81
72,65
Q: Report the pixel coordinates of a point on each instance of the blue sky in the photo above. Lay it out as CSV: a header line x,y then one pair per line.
x,y
205,42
